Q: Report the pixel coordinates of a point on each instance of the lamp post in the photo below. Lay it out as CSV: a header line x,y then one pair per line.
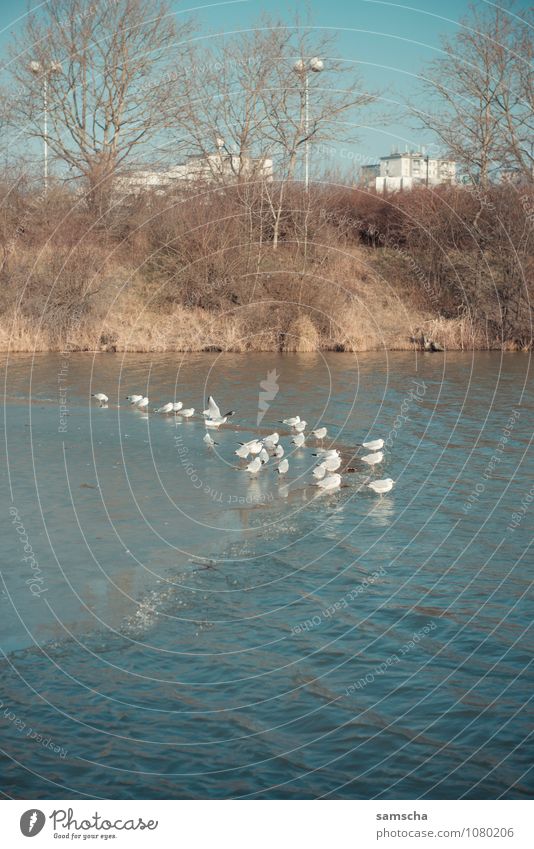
x,y
302,67
37,68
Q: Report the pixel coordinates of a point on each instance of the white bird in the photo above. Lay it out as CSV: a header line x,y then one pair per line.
x,y
375,445
264,456
177,405
283,466
187,413
212,411
319,472
101,398
167,408
209,441
255,447
292,421
331,464
279,451
382,486
300,426
243,451
142,404
213,414
271,441
298,440
329,482
373,459
254,466
327,452
320,433
134,399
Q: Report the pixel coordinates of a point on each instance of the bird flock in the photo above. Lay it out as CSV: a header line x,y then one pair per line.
x,y
258,452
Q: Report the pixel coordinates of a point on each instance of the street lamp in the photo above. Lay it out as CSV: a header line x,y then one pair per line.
x,y
302,68
37,68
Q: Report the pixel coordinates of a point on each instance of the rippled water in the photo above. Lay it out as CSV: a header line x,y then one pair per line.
x,y
179,629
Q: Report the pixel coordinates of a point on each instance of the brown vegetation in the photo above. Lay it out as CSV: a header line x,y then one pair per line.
x,y
196,270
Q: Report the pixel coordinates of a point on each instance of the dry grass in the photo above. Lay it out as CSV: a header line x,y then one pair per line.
x,y
188,276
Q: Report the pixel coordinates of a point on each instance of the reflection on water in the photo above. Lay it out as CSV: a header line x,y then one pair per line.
x,y
182,629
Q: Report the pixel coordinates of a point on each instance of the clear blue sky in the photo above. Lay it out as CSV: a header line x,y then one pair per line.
x,y
389,42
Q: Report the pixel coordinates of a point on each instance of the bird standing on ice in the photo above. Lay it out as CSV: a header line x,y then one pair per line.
x,y
373,459
186,413
320,433
291,422
300,427
177,406
330,482
298,440
101,398
142,404
254,466
382,486
374,445
283,466
134,399
209,441
167,408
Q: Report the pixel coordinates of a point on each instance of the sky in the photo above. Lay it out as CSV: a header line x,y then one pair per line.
x,y
388,43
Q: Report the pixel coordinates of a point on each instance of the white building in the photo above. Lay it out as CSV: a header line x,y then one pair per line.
x,y
212,168
406,170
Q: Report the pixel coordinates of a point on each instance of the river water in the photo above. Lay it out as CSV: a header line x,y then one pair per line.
x,y
173,627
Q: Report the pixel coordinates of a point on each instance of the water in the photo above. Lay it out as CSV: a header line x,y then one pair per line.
x,y
181,630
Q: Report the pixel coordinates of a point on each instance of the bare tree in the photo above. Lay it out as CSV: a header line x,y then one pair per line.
x,y
251,103
101,72
480,93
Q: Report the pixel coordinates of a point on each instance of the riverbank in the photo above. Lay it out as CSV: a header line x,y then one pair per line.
x,y
349,271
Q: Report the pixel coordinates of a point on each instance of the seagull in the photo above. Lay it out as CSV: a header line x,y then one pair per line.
x,y
264,456
254,466
291,422
373,459
331,464
300,426
186,413
327,452
298,440
101,398
255,447
177,406
320,433
375,445
142,404
209,441
213,414
330,482
271,441
382,486
134,399
243,451
167,408
283,466
279,451
319,472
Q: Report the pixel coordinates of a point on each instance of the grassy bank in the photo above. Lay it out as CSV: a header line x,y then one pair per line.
x,y
199,271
